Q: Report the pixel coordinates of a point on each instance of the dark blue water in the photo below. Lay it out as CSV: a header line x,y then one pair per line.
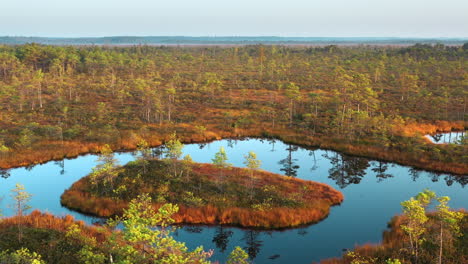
x,y
373,191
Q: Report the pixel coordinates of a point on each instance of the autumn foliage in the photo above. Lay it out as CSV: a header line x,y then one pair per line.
x,y
305,202
41,220
377,102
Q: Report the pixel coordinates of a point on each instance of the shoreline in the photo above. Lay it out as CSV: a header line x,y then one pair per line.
x,y
93,148
313,199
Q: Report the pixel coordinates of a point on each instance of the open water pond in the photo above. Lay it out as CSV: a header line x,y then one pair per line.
x,y
447,138
373,191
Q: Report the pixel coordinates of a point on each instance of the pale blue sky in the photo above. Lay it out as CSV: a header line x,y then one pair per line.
x,y
315,18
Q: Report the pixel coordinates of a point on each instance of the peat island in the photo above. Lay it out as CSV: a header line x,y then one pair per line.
x,y
207,194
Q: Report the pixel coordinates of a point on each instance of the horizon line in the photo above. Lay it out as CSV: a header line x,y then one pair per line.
x,y
231,36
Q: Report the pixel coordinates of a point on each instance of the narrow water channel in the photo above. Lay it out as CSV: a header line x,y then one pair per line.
x,y
373,191
447,138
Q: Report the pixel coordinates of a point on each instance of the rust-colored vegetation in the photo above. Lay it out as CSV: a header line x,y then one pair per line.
x,y
49,236
402,151
39,220
308,96
210,195
395,246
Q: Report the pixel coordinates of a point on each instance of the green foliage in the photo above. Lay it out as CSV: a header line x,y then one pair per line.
x,y
238,256
145,238
173,151
415,210
220,158
144,153
200,130
191,200
173,147
21,256
356,258
251,161
422,227
20,204
103,175
449,222
419,235
21,199
144,149
353,95
3,149
26,138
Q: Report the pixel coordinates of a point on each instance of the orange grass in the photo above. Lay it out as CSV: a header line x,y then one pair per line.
x,y
316,202
37,219
413,129
392,245
55,150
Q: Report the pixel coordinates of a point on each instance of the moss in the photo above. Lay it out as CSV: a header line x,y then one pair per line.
x,y
209,195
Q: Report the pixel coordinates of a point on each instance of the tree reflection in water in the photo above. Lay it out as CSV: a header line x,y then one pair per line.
x,y
435,177
289,167
221,238
314,166
157,152
253,244
272,143
346,169
4,173
61,165
231,143
193,229
380,168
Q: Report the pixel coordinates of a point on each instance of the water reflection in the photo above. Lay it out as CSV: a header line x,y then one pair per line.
x,y
5,173
346,169
380,169
457,137
314,164
157,152
193,229
253,243
435,177
289,165
221,238
61,165
370,186
231,143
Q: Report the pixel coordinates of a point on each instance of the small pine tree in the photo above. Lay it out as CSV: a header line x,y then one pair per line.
x,y
253,164
220,161
173,152
20,205
144,153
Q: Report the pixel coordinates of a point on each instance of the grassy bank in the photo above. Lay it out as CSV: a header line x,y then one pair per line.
x,y
395,246
208,195
45,234
407,147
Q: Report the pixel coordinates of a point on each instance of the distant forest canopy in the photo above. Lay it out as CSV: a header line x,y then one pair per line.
x,y
362,96
226,40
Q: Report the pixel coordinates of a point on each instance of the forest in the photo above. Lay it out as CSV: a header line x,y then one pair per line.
x,y
376,102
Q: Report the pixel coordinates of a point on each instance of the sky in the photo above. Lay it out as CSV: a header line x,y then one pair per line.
x,y
306,18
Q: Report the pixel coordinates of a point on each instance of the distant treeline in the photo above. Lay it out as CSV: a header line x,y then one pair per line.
x,y
226,40
370,101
